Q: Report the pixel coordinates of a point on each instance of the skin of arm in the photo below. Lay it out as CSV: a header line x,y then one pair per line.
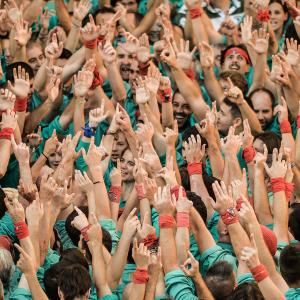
x,y
167,117
63,15
5,155
79,119
248,113
33,11
213,86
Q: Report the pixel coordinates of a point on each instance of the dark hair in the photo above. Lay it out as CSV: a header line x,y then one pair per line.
x,y
220,280
3,207
198,204
192,131
66,54
268,92
289,262
235,111
114,2
294,222
237,79
270,139
247,291
10,68
74,256
103,10
223,52
74,281
284,7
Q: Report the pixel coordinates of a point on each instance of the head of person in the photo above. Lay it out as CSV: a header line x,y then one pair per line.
x,y
10,74
237,79
181,110
104,15
269,138
134,72
247,291
119,146
294,221
278,14
125,59
220,280
235,58
3,208
131,5
1,291
35,55
54,159
7,266
6,49
155,32
290,265
127,166
74,283
198,204
229,115
263,101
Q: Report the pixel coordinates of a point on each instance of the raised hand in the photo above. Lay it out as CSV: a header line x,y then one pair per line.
x,y
207,55
246,136
168,56
239,187
35,139
250,254
183,54
193,151
14,13
9,119
132,43
25,263
278,168
145,132
84,182
233,143
108,52
35,211
53,88
183,204
171,135
90,31
142,93
51,144
97,115
246,29
23,33
81,9
115,175
191,266
261,158
143,52
191,3
94,233
293,54
21,151
153,79
48,188
145,229
131,225
21,85
282,111
260,41
80,221
15,209
163,201
234,94
45,19
276,68
168,173
61,198
123,120
54,48
141,255
94,156
82,83
139,173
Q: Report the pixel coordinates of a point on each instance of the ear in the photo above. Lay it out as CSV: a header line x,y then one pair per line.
x,y
60,294
238,122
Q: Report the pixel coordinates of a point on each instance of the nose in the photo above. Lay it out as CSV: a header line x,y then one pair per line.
x,y
260,116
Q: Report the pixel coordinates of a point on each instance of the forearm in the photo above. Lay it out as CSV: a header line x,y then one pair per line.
x,y
171,153
37,167
37,292
289,143
79,120
199,32
234,169
168,249
21,120
5,147
33,11
20,54
213,86
202,290
151,286
25,173
137,291
167,117
216,159
116,82
40,78
182,244
259,75
73,38
45,234
248,113
269,290
145,210
292,102
34,231
132,140
93,53
63,15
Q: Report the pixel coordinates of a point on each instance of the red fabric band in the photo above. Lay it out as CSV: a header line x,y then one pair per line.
x,y
239,51
5,242
165,95
21,230
97,81
115,194
150,241
143,68
83,232
289,189
298,122
259,273
285,127
139,187
195,12
194,168
90,44
263,15
6,133
175,191
249,154
183,219
166,221
21,104
140,276
190,73
229,219
278,185
121,210
239,203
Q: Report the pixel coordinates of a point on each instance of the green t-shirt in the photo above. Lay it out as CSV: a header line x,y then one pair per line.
x,y
247,277
293,294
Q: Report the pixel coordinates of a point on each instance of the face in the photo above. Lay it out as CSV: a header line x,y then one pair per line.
x,y
6,48
133,73
119,146
258,145
54,160
181,110
127,165
104,19
36,58
154,33
130,5
236,62
217,53
224,85
225,119
277,16
262,105
125,60
223,232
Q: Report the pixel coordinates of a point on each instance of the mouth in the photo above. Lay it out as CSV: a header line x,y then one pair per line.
x,y
124,173
234,67
114,156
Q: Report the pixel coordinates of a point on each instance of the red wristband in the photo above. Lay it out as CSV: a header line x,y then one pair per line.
x,y
139,187
277,184
140,276
175,191
263,15
239,202
194,168
285,127
83,232
143,68
6,133
150,241
97,81
166,221
90,44
249,154
183,219
229,218
21,230
114,194
289,189
298,122
5,242
195,12
21,104
190,73
259,273
165,95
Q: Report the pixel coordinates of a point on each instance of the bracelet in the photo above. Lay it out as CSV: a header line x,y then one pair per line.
x,y
239,203
90,44
88,131
277,185
6,133
21,230
166,221
45,155
248,154
151,241
139,187
175,191
229,217
21,104
114,194
190,73
259,273
263,15
84,231
183,219
194,168
97,81
289,189
195,12
140,276
99,181
285,127
298,122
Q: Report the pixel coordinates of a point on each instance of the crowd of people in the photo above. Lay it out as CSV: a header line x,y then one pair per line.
x,y
150,149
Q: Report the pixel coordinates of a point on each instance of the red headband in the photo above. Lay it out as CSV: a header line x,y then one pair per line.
x,y
239,51
5,242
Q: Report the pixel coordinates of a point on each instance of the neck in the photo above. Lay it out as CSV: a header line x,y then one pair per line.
x,y
221,4
127,188
278,34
